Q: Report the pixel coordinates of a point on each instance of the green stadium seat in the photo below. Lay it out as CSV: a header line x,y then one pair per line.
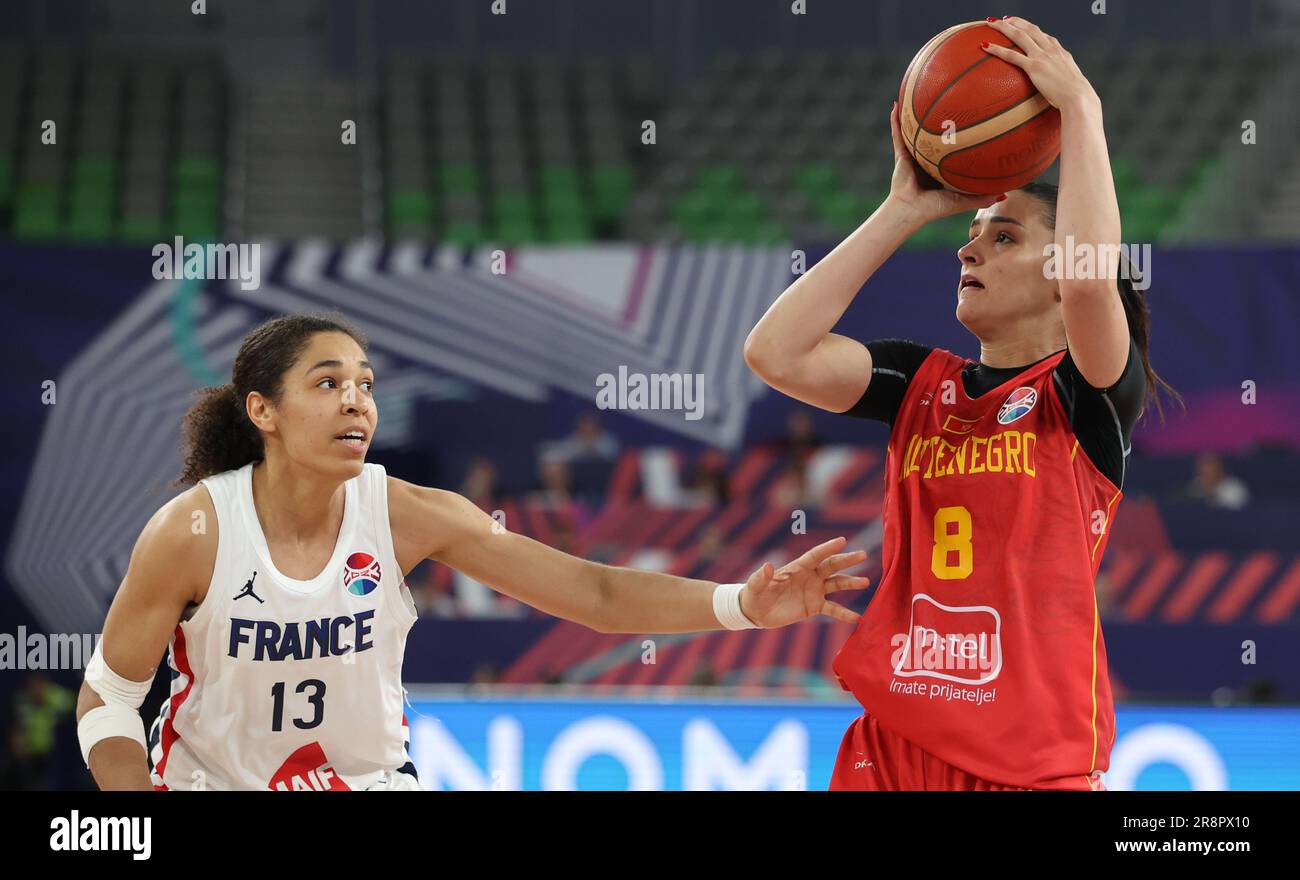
x,y
464,234
139,230
817,179
36,210
562,202
770,232
693,208
515,231
410,208
568,230
458,177
559,178
745,206
91,225
193,171
720,180
512,207
842,210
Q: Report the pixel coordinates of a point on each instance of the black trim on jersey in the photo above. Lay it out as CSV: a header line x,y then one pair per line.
x,y
1102,418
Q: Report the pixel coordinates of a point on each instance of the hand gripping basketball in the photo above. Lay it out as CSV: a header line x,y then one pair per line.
x,y
920,193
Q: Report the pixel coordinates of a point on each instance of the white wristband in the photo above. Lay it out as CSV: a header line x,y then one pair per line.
x,y
726,607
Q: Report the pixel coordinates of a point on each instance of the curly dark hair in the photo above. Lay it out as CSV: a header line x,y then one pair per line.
x,y
218,433
1134,300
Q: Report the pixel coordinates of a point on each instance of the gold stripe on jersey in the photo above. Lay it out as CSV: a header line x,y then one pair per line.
x,y
1106,526
1096,627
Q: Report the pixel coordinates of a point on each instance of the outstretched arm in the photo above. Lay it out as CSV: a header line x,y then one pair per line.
x,y
440,525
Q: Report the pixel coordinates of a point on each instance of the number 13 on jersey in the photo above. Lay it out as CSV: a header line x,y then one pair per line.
x,y
952,557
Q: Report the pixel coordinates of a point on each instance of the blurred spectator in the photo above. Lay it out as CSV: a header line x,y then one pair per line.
x,y
563,536
19,773
1104,590
703,676
555,494
485,673
588,456
556,486
791,488
1257,691
480,485
588,441
433,595
1216,487
38,709
709,547
474,599
1261,690
709,482
800,440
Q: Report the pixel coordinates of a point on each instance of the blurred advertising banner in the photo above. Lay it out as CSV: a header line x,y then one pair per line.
x,y
538,743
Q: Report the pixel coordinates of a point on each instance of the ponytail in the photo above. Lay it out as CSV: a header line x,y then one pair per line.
x,y
1138,316
218,435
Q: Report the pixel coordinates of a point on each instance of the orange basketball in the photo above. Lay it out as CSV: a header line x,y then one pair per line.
x,y
974,122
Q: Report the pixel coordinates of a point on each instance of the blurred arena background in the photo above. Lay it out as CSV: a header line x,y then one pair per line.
x,y
525,132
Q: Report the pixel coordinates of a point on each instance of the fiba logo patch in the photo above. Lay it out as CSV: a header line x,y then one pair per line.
x,y
361,574
1020,402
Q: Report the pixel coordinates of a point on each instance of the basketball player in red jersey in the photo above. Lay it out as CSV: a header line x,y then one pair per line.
x,y
980,662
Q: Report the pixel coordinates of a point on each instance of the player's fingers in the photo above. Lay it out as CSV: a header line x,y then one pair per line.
x,y
1008,55
844,582
896,133
762,577
1019,35
814,557
838,612
841,561
1031,30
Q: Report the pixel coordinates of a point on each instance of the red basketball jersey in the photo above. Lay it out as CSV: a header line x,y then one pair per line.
x,y
982,644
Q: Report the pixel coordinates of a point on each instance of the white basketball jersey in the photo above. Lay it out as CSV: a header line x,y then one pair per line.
x,y
285,684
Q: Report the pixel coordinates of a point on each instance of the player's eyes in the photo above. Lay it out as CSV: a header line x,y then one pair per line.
x,y
330,384
1000,236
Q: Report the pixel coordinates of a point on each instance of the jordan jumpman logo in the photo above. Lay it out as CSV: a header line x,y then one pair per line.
x,y
248,591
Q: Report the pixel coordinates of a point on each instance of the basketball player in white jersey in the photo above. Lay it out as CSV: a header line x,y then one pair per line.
x,y
276,586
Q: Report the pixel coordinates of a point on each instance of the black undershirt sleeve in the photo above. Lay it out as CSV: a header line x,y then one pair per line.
x,y
1103,418
893,364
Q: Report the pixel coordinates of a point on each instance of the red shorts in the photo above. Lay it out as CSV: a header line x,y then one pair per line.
x,y
873,759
